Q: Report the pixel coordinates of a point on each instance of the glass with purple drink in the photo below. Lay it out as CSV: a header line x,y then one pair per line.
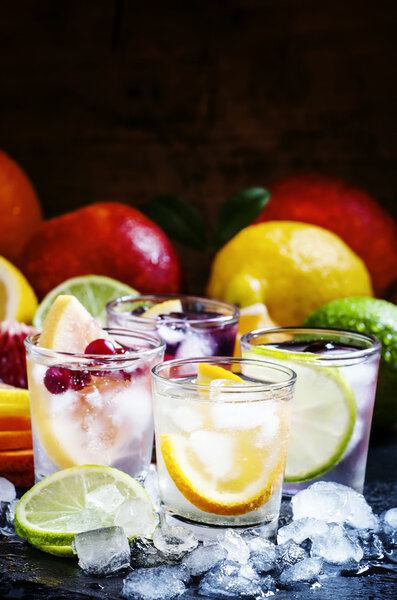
x,y
333,402
190,326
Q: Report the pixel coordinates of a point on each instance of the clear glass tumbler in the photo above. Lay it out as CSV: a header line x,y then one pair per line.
x,y
333,401
189,325
221,446
93,409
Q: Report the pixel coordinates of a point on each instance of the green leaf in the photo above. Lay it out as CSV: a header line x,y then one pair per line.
x,y
179,219
238,212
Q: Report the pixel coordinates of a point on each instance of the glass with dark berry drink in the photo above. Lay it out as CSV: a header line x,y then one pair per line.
x,y
92,406
333,401
190,326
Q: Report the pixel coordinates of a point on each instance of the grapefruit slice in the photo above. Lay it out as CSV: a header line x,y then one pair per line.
x,y
69,327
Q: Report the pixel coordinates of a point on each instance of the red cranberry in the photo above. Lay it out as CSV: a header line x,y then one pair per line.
x,y
57,380
121,350
79,380
100,346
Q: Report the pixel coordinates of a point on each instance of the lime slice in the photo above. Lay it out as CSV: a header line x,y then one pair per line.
x,y
79,499
323,415
93,291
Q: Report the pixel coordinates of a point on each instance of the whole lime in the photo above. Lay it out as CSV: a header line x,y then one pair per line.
x,y
378,318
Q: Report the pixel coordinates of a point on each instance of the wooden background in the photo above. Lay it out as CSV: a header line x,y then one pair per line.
x,y
121,100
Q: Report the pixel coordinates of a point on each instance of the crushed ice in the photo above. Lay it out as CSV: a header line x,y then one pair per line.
x,y
327,530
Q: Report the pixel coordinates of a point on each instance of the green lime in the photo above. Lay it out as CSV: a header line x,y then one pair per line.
x,y
323,415
378,318
78,499
93,291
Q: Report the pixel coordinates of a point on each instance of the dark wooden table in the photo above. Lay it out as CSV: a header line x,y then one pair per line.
x,y
32,575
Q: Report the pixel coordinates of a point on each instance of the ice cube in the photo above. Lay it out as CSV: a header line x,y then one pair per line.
x,y
305,571
336,546
145,554
102,551
261,545
301,529
171,332
234,545
333,502
388,528
214,450
137,518
156,583
261,563
369,541
195,344
7,490
228,579
246,415
203,558
290,553
151,485
174,541
186,418
7,516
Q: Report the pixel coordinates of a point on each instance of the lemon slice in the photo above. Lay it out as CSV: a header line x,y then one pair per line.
x,y
234,464
69,327
323,415
13,401
93,291
250,477
17,298
53,511
208,373
164,308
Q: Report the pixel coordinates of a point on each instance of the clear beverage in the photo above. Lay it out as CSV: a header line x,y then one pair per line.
x,y
221,446
334,398
93,409
196,327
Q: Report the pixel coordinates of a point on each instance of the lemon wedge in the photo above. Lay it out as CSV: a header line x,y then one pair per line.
x,y
208,373
17,298
164,308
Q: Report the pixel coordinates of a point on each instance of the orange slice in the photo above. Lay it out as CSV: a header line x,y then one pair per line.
x,y
164,308
15,440
252,317
69,327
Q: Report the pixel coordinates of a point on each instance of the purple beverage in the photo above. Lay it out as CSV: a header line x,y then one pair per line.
x,y
190,326
333,400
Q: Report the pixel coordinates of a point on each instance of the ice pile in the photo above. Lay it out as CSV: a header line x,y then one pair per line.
x,y
327,530
330,530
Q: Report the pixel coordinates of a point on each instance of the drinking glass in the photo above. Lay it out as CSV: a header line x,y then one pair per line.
x,y
334,399
199,326
93,409
221,446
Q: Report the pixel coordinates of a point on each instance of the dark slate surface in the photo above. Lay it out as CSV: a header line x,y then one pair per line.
x,y
32,575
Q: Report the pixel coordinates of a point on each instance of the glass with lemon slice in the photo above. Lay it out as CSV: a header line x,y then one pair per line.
x,y
222,428
333,400
189,325
92,407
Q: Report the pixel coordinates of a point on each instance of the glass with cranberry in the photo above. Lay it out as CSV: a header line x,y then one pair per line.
x,y
95,407
190,326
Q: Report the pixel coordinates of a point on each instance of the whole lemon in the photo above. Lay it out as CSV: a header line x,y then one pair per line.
x,y
293,268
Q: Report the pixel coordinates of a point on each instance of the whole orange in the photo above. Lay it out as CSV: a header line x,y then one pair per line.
x,y
20,211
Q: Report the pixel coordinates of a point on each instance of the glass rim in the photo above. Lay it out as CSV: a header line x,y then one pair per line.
x,y
232,390
357,353
35,351
219,318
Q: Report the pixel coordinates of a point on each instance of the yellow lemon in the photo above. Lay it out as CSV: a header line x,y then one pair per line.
x,y
164,308
17,298
293,268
